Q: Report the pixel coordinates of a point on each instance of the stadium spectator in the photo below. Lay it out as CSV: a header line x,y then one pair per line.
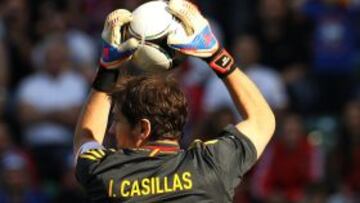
x,y
235,16
289,165
267,79
7,145
334,37
5,140
49,102
213,124
4,81
315,193
313,44
17,187
335,49
95,12
302,89
283,40
82,48
15,17
70,190
344,160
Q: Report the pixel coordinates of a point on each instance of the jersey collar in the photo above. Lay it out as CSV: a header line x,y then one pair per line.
x,y
163,145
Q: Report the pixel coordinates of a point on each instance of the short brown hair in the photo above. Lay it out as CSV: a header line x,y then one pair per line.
x,y
154,97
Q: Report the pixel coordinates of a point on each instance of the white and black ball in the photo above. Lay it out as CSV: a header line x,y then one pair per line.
x,y
151,24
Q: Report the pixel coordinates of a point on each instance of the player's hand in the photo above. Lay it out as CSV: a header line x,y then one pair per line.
x,y
115,50
200,41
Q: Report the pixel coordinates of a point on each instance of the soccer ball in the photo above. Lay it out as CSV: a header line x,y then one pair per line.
x,y
151,24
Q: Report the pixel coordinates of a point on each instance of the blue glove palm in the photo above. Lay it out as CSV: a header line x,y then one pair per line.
x,y
199,41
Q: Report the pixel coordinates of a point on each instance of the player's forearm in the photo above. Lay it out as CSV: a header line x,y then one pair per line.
x,y
259,120
93,119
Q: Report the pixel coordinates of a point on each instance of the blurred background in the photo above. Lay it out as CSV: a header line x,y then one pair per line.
x,y
304,55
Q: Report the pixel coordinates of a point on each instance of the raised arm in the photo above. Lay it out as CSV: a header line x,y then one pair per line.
x,y
259,122
92,123
93,120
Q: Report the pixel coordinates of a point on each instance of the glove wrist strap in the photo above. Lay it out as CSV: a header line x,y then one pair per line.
x,y
222,63
105,79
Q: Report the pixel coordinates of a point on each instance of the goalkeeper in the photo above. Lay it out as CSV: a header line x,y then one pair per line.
x,y
149,116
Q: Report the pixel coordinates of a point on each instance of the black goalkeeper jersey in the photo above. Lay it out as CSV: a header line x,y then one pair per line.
x,y
205,172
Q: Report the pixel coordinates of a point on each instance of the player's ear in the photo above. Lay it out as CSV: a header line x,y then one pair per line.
x,y
144,127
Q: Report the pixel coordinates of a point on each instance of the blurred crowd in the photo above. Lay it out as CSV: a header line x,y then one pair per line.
x,y
304,55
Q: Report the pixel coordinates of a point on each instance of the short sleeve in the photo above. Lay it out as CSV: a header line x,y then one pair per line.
x,y
232,153
91,155
88,146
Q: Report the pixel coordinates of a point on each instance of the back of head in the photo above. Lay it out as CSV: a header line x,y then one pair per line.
x,y
156,98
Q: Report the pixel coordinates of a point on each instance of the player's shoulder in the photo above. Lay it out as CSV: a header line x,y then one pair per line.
x,y
229,140
90,162
92,151
230,132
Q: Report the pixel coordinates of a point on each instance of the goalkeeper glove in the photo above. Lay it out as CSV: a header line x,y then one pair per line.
x,y
199,41
114,52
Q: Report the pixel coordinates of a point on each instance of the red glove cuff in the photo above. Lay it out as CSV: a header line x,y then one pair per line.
x,y
222,63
